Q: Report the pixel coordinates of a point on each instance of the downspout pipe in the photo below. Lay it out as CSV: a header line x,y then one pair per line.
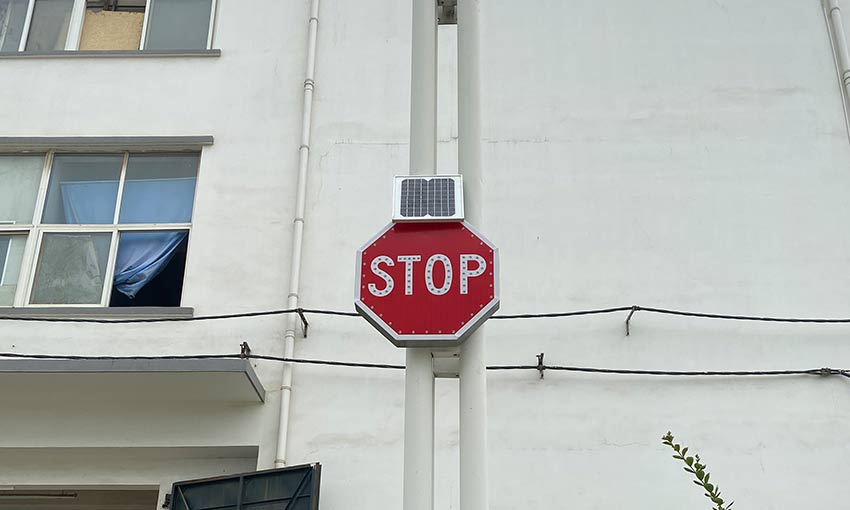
x,y
838,40
292,300
833,13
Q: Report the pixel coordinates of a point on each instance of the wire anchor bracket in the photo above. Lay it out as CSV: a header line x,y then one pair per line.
x,y
540,366
635,308
304,324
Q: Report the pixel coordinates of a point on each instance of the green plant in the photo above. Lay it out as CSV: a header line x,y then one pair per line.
x,y
693,466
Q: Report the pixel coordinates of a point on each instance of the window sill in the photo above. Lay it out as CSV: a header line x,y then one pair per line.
x,y
99,312
109,54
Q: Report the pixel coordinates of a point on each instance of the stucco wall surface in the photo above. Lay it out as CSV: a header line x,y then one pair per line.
x,y
685,155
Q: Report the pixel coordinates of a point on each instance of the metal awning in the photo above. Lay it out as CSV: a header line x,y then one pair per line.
x,y
224,380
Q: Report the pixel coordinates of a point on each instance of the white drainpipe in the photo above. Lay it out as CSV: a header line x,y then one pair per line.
x,y
832,10
297,237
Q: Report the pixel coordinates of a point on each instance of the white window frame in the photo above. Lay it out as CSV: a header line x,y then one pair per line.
x,y
210,31
35,233
5,262
78,14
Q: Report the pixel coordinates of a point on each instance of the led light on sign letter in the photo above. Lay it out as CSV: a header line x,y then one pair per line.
x,y
429,274
408,271
466,274
380,273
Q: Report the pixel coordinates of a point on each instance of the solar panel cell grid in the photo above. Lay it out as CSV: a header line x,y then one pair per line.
x,y
433,197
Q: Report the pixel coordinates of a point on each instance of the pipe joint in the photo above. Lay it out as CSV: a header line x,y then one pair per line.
x,y
304,146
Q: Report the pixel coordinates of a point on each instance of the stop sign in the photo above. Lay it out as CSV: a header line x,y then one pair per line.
x,y
427,284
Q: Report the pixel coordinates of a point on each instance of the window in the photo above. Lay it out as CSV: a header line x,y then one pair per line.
x,y
105,229
50,25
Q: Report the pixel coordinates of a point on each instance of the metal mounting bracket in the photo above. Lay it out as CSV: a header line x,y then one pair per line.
x,y
447,12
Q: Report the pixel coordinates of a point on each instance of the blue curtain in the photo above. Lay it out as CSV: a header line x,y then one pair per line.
x,y
141,255
89,202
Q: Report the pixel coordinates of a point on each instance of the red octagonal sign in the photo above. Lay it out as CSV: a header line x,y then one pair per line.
x,y
427,284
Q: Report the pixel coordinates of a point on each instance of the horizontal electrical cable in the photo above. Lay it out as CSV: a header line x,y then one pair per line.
x,y
538,367
544,315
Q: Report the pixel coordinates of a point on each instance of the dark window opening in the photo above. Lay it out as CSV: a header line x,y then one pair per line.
x,y
162,290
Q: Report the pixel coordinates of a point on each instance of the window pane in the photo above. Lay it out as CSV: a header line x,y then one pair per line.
x,y
19,180
178,24
71,269
149,268
12,16
159,188
49,26
83,189
111,30
11,254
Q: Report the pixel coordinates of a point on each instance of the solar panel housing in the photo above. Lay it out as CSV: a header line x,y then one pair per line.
x,y
428,198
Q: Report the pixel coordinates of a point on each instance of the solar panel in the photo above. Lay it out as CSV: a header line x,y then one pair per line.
x,y
423,198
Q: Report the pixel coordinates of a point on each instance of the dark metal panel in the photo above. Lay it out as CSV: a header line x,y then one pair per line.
x,y
292,485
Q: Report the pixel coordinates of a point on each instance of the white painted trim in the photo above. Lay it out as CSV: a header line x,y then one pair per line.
x,y
5,262
120,194
75,25
212,25
25,277
25,33
109,273
144,37
36,235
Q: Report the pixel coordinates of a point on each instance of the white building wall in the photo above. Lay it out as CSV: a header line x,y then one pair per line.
x,y
689,155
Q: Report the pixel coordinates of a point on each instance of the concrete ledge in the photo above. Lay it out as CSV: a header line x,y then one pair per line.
x,y
99,312
89,143
108,54
231,380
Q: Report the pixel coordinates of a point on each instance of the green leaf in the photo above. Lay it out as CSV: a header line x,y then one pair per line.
x,y
708,486
676,447
689,461
706,477
700,474
684,451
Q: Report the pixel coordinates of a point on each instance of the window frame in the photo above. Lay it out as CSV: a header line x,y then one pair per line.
x,y
78,14
36,231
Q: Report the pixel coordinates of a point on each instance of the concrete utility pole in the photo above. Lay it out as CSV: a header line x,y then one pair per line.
x,y
419,371
473,366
